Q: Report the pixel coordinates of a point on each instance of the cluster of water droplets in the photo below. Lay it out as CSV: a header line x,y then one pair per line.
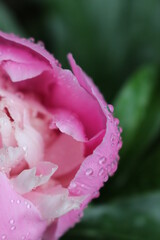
x,y
107,165
12,222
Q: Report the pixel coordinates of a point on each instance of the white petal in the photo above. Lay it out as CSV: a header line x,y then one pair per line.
x,y
10,157
56,205
28,180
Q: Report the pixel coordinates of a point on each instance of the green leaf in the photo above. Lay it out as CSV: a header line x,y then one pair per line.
x,y
134,218
8,22
137,107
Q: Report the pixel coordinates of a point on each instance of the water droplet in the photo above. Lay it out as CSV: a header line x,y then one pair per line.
x,y
28,206
13,228
11,221
113,139
116,121
31,39
120,129
82,185
101,172
117,133
18,201
114,166
73,185
110,117
89,172
106,178
12,201
119,144
41,44
96,194
3,237
109,169
23,237
110,108
102,160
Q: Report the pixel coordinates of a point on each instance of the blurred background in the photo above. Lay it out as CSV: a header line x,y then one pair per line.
x,y
117,42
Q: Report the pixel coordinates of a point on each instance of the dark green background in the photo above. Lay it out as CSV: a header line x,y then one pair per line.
x,y
117,42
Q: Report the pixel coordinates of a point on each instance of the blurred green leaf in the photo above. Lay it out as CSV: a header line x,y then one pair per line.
x,y
8,22
131,105
134,218
137,107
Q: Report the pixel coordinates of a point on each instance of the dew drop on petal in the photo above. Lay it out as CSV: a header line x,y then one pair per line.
x,y
73,185
110,108
110,118
116,121
13,228
31,39
109,169
11,221
3,236
41,44
120,129
18,201
113,139
28,206
101,172
102,160
89,172
106,178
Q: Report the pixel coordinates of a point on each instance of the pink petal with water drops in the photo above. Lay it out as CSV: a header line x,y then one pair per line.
x,y
19,218
15,50
97,167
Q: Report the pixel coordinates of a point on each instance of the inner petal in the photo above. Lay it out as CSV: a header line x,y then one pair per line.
x,y
55,137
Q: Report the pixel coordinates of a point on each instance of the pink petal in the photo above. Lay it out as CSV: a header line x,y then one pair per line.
x,y
97,167
69,124
21,54
26,49
22,71
66,153
18,216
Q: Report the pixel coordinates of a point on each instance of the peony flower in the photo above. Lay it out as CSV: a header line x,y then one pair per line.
x,y
59,142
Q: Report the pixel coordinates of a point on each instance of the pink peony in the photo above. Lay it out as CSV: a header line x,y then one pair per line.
x,y
59,142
